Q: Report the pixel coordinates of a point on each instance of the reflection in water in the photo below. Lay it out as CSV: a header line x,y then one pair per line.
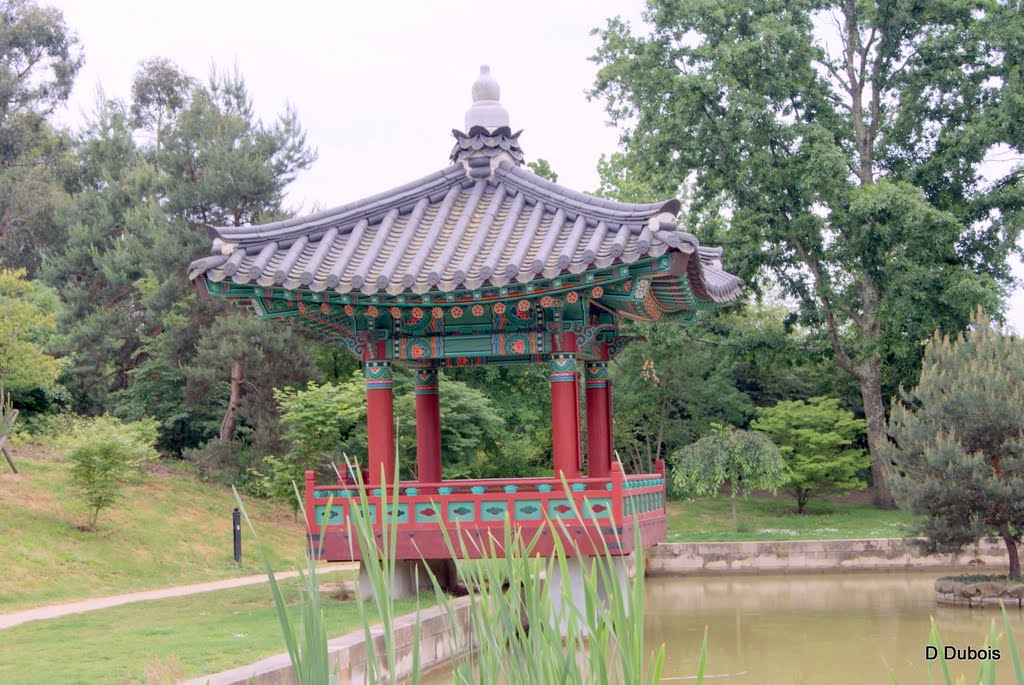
x,y
816,629
831,629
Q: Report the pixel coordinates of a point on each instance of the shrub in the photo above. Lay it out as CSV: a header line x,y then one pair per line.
x,y
105,452
818,438
323,421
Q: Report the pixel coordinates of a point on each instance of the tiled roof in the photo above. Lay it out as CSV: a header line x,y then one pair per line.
x,y
451,230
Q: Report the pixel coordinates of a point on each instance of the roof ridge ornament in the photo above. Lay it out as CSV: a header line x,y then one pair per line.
x,y
488,139
486,110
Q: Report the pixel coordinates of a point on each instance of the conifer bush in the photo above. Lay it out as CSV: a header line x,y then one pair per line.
x,y
957,449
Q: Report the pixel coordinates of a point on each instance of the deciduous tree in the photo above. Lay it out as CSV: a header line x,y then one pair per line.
x,y
28,320
820,442
843,142
39,58
104,452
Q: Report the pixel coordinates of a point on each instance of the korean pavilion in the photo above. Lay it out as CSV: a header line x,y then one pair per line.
x,y
482,262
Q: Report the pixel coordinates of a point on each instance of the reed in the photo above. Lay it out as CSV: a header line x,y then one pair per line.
x,y
306,642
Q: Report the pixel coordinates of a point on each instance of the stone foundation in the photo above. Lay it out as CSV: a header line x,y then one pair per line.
x,y
816,556
956,592
412,577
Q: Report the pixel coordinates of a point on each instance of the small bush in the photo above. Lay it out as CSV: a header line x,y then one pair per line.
x,y
47,429
219,461
277,479
105,452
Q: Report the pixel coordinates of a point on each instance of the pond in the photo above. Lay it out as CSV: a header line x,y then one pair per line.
x,y
831,629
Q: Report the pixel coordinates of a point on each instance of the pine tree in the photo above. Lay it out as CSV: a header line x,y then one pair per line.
x,y
958,440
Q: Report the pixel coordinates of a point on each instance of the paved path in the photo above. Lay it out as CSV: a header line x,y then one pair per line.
x,y
56,610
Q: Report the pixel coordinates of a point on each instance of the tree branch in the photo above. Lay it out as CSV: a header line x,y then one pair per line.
x,y
826,305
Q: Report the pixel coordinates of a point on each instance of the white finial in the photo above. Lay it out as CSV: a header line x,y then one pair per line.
x,y
486,110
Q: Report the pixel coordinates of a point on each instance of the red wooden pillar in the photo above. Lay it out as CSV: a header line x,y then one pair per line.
x,y
565,414
428,427
380,422
599,420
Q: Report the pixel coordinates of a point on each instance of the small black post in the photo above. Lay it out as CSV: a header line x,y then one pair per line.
x,y
236,521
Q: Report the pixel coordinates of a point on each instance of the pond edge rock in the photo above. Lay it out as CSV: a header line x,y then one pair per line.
x,y
953,591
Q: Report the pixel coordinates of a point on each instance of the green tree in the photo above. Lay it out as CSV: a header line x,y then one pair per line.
x,y
160,90
737,459
28,319
324,421
104,453
238,362
819,441
543,169
958,440
39,58
224,165
220,164
139,334
521,396
474,442
837,146
668,391
105,255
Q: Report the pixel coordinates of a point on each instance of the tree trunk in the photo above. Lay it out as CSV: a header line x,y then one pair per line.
x,y
1011,551
228,425
870,381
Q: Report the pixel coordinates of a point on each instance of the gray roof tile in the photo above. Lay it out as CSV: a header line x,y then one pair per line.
x,y
449,231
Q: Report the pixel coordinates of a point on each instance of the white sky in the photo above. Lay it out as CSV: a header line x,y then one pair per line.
x,y
378,86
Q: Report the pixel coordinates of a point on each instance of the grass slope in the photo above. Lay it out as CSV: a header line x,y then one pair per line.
x,y
170,529
163,641
765,518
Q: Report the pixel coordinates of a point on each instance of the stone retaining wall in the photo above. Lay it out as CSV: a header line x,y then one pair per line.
x,y
956,592
814,556
348,652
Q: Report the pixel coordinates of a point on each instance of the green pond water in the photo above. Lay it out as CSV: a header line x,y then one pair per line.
x,y
827,629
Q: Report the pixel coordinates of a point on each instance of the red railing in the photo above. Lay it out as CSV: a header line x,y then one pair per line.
x,y
484,505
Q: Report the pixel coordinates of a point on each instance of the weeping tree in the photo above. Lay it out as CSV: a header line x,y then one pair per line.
x,y
739,460
958,441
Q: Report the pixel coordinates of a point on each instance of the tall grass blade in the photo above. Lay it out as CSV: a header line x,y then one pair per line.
x,y
702,660
1011,647
936,642
308,655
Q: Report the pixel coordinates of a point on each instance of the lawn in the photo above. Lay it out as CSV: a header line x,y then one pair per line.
x,y
171,529
774,518
163,641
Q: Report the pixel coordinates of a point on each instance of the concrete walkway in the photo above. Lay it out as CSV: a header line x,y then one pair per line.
x,y
57,610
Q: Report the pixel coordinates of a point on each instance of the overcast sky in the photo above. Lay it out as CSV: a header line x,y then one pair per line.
x,y
378,86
